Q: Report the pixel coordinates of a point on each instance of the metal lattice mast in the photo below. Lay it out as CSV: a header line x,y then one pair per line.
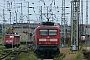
x,y
81,17
63,21
86,11
75,9
86,37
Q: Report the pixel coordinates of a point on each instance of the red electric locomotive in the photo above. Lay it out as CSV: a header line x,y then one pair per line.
x,y
47,41
11,40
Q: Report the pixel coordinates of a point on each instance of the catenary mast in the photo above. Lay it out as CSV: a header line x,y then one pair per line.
x,y
75,11
86,11
86,28
81,21
63,21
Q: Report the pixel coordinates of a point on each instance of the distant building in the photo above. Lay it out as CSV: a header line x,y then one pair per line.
x,y
20,28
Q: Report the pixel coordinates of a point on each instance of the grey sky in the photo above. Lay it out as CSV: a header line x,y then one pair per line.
x,y
37,3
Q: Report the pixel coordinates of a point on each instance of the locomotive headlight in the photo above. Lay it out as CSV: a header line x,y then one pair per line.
x,y
53,39
42,39
10,40
6,40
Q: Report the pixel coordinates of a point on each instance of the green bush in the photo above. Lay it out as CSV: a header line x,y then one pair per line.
x,y
27,56
60,56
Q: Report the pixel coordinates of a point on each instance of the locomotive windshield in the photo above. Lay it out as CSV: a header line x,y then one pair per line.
x,y
52,32
43,32
48,32
6,36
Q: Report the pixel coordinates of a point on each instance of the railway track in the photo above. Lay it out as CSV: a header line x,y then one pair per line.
x,y
45,59
4,56
8,52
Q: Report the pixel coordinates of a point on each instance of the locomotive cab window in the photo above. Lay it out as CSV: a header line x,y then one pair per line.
x,y
52,32
48,32
6,36
43,32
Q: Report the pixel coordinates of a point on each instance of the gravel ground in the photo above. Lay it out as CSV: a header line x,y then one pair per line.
x,y
75,55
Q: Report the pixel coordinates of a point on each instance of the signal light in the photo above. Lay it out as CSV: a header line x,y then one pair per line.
x,y
25,32
12,30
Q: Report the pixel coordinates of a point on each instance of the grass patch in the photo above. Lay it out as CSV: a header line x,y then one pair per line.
x,y
78,56
2,47
22,46
10,57
1,52
27,56
60,56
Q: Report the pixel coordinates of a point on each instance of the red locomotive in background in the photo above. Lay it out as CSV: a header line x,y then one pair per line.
x,y
47,41
11,39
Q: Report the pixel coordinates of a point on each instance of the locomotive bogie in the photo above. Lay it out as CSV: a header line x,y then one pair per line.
x,y
45,51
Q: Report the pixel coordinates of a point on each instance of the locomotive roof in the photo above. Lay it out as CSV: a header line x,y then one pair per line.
x,y
13,34
49,27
